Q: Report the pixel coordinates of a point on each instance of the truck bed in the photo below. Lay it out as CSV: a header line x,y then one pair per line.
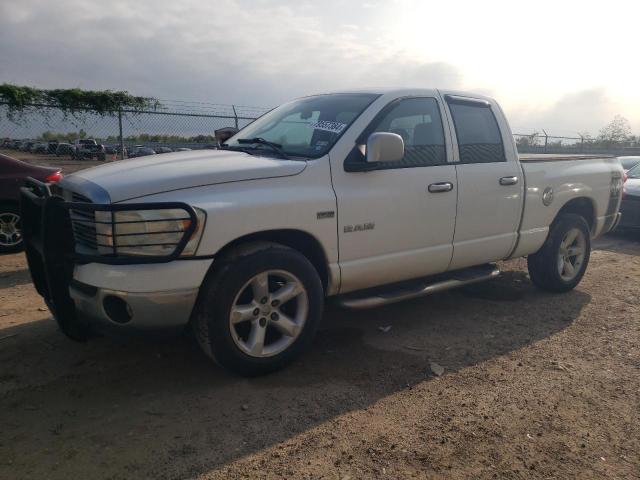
x,y
556,157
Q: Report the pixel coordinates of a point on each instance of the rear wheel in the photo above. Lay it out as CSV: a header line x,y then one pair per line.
x,y
259,311
10,229
562,261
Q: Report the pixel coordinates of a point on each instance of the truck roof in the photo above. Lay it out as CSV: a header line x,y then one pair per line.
x,y
407,92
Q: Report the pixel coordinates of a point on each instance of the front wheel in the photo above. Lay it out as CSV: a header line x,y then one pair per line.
x,y
259,311
561,262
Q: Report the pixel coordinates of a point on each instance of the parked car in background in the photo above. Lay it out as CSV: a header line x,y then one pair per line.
x,y
12,175
142,152
182,149
630,206
85,148
110,150
15,144
64,149
52,146
163,150
629,162
5,143
26,145
39,148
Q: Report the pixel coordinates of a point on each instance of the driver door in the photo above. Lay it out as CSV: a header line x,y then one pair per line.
x,y
397,222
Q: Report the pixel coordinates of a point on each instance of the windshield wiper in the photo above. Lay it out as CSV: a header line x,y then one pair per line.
x,y
276,147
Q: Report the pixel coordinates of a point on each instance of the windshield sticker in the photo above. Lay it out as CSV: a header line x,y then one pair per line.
x,y
327,126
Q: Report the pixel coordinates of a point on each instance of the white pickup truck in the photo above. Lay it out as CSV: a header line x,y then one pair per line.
x,y
369,197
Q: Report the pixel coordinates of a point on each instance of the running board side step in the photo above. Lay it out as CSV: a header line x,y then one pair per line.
x,y
398,292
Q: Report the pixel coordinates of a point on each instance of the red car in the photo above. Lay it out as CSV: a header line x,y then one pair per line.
x,y
12,175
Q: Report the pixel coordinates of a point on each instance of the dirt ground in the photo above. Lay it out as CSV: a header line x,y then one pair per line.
x,y
535,385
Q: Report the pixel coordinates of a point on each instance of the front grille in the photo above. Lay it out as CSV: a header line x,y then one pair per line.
x,y
84,227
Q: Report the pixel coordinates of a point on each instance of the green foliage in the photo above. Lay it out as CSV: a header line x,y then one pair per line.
x,y
71,101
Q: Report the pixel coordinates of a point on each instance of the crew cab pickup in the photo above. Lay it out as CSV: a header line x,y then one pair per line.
x,y
368,197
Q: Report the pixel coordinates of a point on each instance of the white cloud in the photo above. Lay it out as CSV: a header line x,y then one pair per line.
x,y
262,52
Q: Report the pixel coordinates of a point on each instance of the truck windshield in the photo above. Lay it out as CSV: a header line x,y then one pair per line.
x,y
307,127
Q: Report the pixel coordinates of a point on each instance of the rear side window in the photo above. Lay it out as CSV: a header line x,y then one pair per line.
x,y
479,139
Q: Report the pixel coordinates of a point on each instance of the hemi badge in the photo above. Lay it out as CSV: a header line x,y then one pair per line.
x,y
327,214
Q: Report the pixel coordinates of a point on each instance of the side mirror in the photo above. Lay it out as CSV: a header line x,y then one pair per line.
x,y
384,147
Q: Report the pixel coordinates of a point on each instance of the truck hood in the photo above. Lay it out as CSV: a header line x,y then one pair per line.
x,y
128,179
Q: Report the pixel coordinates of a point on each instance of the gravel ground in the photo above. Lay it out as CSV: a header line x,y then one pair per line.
x,y
535,385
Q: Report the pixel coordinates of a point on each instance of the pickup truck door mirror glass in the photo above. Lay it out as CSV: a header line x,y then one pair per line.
x,y
384,147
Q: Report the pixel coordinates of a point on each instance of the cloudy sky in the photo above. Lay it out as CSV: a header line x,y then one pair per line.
x,y
565,66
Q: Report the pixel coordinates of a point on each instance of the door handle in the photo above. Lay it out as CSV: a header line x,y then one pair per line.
x,y
508,180
441,187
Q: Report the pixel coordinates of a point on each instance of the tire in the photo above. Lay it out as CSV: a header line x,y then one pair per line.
x,y
240,281
10,232
555,268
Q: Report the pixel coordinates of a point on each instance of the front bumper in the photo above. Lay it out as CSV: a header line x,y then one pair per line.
x,y
117,311
92,292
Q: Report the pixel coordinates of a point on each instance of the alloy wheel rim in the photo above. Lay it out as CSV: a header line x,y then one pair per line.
x,y
268,313
571,254
10,232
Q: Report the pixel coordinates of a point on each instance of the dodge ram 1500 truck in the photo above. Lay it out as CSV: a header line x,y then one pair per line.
x,y
369,197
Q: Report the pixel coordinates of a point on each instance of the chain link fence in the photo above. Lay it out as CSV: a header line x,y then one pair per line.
x,y
175,125
543,143
181,124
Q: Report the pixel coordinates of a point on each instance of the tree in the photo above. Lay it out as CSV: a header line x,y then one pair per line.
x,y
617,131
528,140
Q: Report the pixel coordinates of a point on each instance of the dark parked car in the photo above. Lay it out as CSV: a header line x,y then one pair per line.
x,y
630,206
52,146
12,175
39,148
163,150
64,149
142,152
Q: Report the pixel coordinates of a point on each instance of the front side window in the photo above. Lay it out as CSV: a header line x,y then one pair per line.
x,y
307,127
418,122
479,138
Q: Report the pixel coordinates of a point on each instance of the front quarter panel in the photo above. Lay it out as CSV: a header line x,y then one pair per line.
x,y
237,209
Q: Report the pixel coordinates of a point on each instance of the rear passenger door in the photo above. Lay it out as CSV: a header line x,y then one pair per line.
x,y
490,183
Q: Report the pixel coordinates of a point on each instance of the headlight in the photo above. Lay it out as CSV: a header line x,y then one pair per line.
x,y
156,232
